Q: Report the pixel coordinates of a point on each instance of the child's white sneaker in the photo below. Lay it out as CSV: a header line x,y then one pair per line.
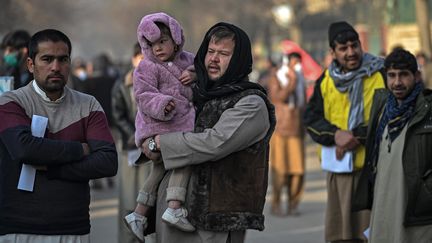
x,y
136,224
177,218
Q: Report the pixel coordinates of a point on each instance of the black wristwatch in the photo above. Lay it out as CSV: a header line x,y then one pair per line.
x,y
152,145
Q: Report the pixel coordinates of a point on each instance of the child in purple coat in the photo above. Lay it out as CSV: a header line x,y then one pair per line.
x,y
164,100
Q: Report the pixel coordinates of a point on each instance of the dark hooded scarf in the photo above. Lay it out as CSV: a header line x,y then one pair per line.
x,y
235,79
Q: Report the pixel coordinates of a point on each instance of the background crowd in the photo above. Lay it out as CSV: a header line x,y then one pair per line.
x,y
301,89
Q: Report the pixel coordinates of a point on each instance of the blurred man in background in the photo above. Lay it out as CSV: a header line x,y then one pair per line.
x,y
131,176
287,160
15,52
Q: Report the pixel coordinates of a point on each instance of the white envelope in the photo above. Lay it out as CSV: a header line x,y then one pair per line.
x,y
133,156
28,172
331,164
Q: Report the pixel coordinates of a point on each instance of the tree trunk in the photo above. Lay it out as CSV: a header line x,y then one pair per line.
x,y
422,14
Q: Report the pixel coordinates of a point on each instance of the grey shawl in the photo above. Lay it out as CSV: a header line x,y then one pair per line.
x,y
352,82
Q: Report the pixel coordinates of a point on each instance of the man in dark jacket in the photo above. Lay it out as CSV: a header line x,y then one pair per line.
x,y
99,85
131,177
397,178
15,52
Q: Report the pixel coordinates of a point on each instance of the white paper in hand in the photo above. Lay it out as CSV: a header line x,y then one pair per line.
x,y
28,172
39,125
366,233
133,156
329,162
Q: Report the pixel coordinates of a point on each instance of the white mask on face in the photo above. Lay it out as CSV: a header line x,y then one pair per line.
x,y
82,75
298,67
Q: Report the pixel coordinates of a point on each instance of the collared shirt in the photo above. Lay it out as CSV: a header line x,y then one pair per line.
x,y
43,94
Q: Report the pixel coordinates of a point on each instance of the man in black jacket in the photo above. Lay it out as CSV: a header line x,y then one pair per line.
x,y
15,52
397,178
131,177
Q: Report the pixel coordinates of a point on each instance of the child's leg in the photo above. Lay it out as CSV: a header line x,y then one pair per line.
x,y
141,209
147,195
178,182
136,222
174,204
175,214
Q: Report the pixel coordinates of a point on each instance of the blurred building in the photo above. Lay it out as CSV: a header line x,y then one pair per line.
x,y
382,25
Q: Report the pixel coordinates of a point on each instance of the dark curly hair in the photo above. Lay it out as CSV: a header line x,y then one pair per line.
x,y
401,59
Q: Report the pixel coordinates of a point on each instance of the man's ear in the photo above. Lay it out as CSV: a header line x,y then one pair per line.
x,y
30,64
332,53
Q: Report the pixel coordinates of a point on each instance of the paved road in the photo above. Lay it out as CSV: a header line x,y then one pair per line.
x,y
306,228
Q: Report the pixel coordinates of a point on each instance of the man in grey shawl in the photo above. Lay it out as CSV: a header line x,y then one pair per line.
x,y
337,116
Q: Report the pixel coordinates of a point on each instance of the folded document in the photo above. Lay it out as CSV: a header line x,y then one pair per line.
x,y
28,172
330,163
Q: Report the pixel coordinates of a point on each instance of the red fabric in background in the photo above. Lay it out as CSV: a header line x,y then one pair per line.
x,y
311,69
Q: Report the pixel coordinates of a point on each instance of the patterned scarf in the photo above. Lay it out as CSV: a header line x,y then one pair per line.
x,y
352,82
396,117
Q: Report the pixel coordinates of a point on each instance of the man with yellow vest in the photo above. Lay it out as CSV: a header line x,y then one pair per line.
x,y
337,116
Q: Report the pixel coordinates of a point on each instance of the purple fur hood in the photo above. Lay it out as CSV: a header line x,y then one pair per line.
x,y
156,83
148,31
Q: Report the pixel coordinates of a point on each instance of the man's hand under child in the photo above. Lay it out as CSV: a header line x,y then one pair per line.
x,y
155,156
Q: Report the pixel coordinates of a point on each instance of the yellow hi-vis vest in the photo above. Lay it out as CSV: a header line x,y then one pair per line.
x,y
337,106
